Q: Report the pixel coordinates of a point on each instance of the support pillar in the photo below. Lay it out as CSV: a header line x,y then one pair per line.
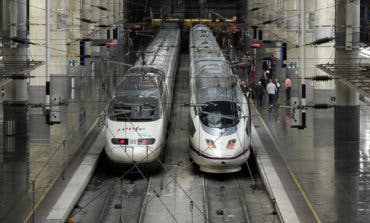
x,y
324,27
347,112
116,11
15,25
103,19
73,35
291,15
86,27
95,16
347,38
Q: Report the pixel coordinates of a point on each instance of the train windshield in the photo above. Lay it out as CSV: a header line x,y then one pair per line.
x,y
126,112
220,114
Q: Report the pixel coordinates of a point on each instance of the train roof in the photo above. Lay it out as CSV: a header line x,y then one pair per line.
x,y
210,94
139,84
213,77
160,50
137,95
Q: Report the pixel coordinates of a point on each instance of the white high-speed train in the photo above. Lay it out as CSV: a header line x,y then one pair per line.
x,y
220,122
139,112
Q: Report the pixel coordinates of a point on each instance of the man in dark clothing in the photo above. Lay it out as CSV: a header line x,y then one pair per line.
x,y
263,81
277,83
259,92
243,86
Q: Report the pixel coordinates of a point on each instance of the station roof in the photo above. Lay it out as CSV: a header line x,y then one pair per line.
x,y
356,76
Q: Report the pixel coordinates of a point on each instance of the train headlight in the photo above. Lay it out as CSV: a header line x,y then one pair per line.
x,y
231,144
146,141
119,141
210,144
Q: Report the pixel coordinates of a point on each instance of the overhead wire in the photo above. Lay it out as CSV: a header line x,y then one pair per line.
x,y
141,173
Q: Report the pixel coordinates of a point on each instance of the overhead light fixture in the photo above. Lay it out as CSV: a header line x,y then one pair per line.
x,y
102,26
255,9
321,41
268,22
86,20
100,7
21,40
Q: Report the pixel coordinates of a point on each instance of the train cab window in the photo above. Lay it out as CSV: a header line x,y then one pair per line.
x,y
133,112
220,114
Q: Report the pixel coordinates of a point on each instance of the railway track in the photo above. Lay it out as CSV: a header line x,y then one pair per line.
x,y
225,199
177,193
110,198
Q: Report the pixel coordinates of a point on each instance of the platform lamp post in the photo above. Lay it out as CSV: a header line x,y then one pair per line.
x,y
52,113
303,64
47,61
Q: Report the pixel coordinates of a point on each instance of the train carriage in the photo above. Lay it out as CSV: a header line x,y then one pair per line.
x,y
220,122
139,112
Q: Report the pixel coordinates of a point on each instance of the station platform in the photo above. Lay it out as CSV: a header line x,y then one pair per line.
x,y
328,161
323,168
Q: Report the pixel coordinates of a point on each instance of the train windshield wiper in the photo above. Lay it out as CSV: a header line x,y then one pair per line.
x,y
230,117
123,112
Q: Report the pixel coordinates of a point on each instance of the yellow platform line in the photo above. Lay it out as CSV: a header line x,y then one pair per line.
x,y
37,204
300,188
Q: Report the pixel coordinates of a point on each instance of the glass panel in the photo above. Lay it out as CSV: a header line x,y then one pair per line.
x,y
120,111
220,114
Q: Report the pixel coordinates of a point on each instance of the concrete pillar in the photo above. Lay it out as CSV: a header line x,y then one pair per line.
x,y
95,16
347,37
352,24
58,37
16,146
103,19
110,17
86,14
86,27
15,25
116,11
259,13
348,23
324,27
347,112
37,35
73,34
2,183
1,19
291,15
121,11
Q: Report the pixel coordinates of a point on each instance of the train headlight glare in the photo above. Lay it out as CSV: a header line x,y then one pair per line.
x,y
231,144
146,141
210,144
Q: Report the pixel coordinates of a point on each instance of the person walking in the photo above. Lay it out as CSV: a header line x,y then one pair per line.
x,y
277,89
259,92
263,81
288,88
271,91
243,86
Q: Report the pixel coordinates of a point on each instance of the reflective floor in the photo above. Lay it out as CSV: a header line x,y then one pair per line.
x,y
32,153
330,157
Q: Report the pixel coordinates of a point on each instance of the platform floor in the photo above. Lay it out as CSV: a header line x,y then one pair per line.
x,y
329,159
